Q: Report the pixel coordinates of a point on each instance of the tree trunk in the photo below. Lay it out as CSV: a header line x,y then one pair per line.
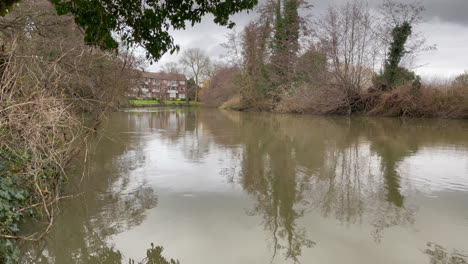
x,y
196,88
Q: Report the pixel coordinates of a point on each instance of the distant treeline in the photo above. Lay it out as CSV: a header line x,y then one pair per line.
x,y
351,59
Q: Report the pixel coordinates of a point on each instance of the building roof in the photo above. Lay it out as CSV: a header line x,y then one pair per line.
x,y
164,76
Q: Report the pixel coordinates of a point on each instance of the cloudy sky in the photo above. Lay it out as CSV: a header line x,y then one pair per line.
x,y
446,25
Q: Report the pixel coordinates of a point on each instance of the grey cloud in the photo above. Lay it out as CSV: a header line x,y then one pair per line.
x,y
447,26
454,11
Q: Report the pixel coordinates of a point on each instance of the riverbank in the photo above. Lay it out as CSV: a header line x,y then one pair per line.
x,y
156,103
428,101
54,92
355,62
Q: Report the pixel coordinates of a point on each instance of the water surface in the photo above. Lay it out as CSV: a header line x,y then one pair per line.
x,y
213,186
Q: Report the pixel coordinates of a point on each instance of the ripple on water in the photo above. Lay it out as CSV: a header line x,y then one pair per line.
x,y
438,169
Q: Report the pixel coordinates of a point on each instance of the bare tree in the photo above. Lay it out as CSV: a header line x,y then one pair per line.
x,y
393,14
233,47
346,34
198,65
171,67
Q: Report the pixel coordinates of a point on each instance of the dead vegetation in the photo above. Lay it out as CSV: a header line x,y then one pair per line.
x,y
431,100
352,59
222,87
54,90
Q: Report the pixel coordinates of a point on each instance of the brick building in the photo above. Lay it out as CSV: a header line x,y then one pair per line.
x,y
166,86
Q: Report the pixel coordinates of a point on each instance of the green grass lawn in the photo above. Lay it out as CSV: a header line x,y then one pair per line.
x,y
155,102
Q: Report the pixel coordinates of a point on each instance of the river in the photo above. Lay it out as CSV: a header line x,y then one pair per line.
x,y
213,186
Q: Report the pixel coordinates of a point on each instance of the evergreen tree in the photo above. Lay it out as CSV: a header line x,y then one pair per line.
x,y
285,42
277,43
291,27
393,73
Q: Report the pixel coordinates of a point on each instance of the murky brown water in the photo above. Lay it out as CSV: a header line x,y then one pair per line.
x,y
226,187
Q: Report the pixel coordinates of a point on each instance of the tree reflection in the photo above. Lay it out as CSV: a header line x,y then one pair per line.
x,y
154,256
290,164
114,201
346,169
269,174
108,255
439,255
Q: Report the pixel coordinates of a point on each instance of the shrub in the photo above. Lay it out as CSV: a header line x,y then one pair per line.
x,y
411,100
51,83
223,86
428,101
400,76
15,196
461,80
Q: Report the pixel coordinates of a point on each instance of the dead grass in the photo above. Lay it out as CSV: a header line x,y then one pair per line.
x,y
432,100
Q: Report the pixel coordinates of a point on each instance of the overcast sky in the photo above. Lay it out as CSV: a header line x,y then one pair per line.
x,y
446,26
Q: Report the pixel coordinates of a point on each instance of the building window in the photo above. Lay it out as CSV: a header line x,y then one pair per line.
x,y
182,82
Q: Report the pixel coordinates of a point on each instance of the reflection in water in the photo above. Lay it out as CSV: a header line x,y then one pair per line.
x,y
154,256
111,203
334,165
288,171
269,174
349,171
439,255
108,255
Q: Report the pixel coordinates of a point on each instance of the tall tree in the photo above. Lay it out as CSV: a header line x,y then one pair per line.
x,y
198,65
278,46
393,14
279,34
254,50
396,52
346,34
402,42
291,23
141,22
285,43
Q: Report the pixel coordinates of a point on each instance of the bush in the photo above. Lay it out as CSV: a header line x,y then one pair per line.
x,y
322,100
402,76
223,86
51,83
461,80
428,101
15,195
411,100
